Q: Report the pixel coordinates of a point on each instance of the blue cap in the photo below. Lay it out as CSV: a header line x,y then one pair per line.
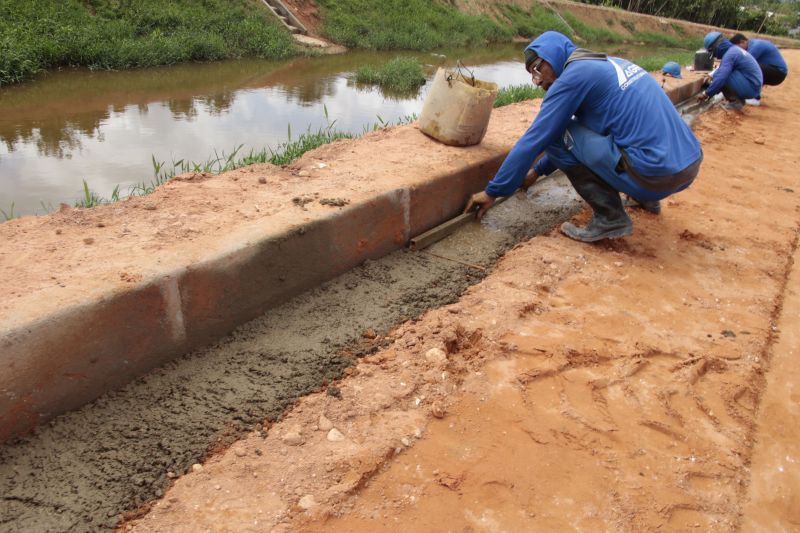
x,y
672,69
711,39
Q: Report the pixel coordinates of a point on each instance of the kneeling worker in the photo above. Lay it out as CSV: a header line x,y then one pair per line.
x,y
608,125
773,67
738,77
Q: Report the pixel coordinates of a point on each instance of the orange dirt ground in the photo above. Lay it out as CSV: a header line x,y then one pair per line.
x,y
610,387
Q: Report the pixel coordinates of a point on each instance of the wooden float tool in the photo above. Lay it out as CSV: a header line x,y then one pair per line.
x,y
445,229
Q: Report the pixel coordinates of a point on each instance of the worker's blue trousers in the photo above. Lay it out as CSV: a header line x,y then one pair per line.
x,y
740,86
581,146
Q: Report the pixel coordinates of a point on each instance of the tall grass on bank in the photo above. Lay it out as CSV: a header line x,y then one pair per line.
x,y
533,21
402,74
110,34
8,215
656,62
406,25
220,162
517,93
590,33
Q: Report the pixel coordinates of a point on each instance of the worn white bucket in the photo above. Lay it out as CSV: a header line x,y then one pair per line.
x,y
457,109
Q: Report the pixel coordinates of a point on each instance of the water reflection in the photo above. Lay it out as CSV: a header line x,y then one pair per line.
x,y
105,126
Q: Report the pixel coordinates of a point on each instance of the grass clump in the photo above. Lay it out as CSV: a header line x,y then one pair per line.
x,y
401,74
534,21
517,93
406,25
8,215
592,34
658,39
283,154
655,62
112,34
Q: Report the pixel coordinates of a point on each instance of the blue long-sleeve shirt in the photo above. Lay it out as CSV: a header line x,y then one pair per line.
x,y
766,53
736,59
611,97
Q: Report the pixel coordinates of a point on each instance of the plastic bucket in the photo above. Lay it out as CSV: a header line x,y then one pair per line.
x,y
457,109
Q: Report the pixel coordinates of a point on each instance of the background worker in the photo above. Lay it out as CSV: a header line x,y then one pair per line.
x,y
768,57
738,77
626,136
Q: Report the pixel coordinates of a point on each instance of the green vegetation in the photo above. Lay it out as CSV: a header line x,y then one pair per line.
x,y
534,21
655,62
517,93
8,215
405,25
401,74
592,34
773,17
218,163
667,41
122,34
92,199
628,25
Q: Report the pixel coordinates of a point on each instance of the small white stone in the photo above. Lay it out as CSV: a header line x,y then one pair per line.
x,y
197,467
334,435
307,502
405,442
239,452
324,424
292,438
435,355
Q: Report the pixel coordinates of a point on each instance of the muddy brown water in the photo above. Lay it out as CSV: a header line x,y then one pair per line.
x,y
84,469
106,127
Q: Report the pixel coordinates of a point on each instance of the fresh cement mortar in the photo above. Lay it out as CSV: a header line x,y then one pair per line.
x,y
83,469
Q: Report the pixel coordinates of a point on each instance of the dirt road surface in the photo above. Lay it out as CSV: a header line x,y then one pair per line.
x,y
617,386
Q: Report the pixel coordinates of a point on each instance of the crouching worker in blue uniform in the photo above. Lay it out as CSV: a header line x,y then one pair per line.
x,y
773,66
738,77
608,125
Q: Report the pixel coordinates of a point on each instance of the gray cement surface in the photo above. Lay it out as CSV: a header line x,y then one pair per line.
x,y
82,470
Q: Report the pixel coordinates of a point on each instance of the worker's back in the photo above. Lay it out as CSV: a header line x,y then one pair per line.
x,y
766,53
621,99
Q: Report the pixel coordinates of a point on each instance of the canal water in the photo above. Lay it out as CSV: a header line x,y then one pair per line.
x,y
107,127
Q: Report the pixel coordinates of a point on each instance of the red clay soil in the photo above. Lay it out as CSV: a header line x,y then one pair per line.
x,y
578,387
308,13
50,262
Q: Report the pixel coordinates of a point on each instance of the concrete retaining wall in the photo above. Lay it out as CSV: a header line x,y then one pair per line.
x,y
61,360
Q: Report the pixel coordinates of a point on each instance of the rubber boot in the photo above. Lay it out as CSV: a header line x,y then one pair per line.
x,y
652,206
609,219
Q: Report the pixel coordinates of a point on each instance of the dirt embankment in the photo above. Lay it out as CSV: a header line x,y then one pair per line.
x,y
625,23
578,387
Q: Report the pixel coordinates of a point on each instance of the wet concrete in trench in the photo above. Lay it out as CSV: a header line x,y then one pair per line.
x,y
84,469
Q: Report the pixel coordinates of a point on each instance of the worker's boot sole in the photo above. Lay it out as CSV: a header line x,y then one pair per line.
x,y
591,233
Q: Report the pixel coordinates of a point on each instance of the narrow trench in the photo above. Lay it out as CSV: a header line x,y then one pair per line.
x,y
85,469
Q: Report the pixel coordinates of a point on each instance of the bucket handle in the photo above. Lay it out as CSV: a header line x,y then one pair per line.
x,y
461,67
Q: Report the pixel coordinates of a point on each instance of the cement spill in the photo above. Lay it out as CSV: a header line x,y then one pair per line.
x,y
85,468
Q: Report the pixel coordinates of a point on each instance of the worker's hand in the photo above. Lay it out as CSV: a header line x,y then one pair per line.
x,y
481,201
702,97
530,179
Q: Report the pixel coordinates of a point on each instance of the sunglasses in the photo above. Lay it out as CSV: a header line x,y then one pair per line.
x,y
536,74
